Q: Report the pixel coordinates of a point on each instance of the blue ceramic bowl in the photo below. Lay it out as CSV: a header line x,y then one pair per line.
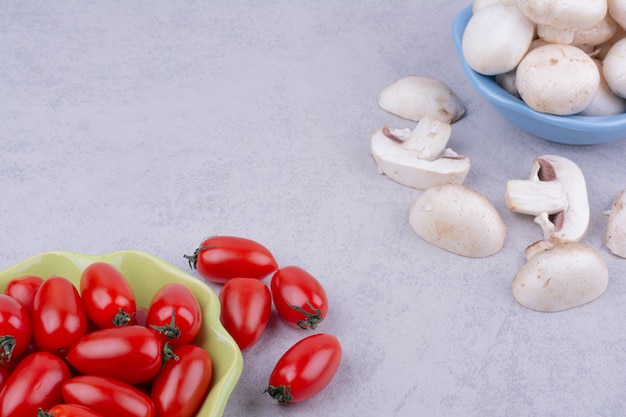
x,y
571,130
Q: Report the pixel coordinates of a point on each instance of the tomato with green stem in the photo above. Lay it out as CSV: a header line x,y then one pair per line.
x,y
220,258
175,314
35,383
305,369
246,305
108,298
15,329
131,354
59,317
182,385
299,298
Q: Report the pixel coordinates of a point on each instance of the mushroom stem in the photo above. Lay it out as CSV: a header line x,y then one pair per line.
x,y
556,195
429,138
535,197
553,35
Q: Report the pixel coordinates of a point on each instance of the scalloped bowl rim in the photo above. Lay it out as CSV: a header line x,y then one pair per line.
x,y
227,365
487,86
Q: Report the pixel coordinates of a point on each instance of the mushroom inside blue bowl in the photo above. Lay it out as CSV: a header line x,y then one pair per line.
x,y
571,129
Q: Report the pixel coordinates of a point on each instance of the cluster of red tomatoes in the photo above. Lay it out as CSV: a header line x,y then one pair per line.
x,y
92,352
241,264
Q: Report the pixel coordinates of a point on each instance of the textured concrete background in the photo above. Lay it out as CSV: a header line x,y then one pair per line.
x,y
153,124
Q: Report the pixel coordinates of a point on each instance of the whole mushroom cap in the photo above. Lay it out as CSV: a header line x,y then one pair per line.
x,y
605,102
614,68
496,38
600,33
617,10
557,79
564,14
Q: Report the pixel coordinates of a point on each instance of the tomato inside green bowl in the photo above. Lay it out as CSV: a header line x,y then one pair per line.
x,y
146,274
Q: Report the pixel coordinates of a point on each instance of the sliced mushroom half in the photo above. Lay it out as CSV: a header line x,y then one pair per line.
x,y
559,277
616,226
556,194
414,97
458,219
405,165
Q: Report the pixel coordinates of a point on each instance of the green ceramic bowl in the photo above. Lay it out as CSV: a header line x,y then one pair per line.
x,y
146,274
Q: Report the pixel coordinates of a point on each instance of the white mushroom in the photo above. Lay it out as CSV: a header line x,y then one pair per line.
x,y
558,20
557,79
479,4
614,68
616,226
458,219
496,38
404,165
414,97
561,277
617,9
556,194
605,102
506,80
596,35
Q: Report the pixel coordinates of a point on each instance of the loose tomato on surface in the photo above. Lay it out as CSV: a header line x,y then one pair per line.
x,y
182,385
299,298
246,305
305,369
220,258
132,354
174,313
107,396
35,383
15,329
108,298
23,289
68,410
59,318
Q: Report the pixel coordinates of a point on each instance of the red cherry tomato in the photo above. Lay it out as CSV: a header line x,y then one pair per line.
x,y
15,329
182,385
246,304
69,410
220,258
108,298
59,317
35,383
175,314
131,354
107,396
305,369
5,373
299,298
23,289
